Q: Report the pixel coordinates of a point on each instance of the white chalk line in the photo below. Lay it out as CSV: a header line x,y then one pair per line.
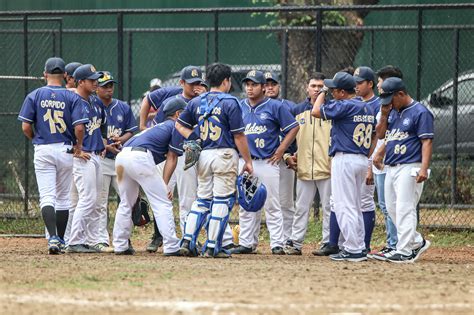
x,y
189,306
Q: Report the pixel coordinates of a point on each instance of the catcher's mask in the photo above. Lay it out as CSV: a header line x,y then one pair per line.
x,y
251,192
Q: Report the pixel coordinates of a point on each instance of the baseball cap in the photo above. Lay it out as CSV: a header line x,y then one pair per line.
x,y
155,82
389,87
106,78
364,74
271,76
255,76
191,74
173,105
54,65
341,80
86,72
71,67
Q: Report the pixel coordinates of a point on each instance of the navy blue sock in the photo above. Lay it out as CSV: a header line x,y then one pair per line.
x,y
369,223
334,230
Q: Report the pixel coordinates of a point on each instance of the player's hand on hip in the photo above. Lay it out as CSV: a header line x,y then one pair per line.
x,y
422,176
170,194
248,167
82,155
369,179
276,157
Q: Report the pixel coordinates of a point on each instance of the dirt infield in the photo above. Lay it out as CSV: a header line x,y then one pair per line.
x,y
32,282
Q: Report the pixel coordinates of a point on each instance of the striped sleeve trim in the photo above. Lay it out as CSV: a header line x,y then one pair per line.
x,y
323,111
132,129
151,102
182,122
290,126
84,120
238,129
176,149
25,119
426,135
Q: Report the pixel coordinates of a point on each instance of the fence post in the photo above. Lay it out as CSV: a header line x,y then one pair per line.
x,y
319,39
27,141
454,148
130,69
216,36
418,54
284,63
120,71
372,48
60,40
207,49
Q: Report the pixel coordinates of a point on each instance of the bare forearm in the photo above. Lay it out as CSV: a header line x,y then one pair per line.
x,y
241,142
170,166
79,131
144,110
381,127
184,131
316,111
426,152
27,130
288,140
124,138
373,144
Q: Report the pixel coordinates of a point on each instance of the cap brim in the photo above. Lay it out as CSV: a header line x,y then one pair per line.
x,y
107,82
251,79
360,79
274,80
386,99
94,76
329,83
193,80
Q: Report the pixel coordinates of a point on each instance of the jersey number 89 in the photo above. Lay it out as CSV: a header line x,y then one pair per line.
x,y
363,135
55,120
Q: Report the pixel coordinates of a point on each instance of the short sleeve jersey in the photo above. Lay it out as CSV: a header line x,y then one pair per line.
x,y
404,133
159,139
120,120
353,123
53,111
157,97
263,124
217,130
96,118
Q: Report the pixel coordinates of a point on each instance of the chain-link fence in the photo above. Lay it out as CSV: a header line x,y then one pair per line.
x,y
434,54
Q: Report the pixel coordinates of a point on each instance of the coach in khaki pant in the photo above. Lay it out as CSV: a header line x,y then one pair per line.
x,y
312,165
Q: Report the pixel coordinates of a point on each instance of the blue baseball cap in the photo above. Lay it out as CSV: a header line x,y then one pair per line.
x,y
271,76
174,104
71,67
86,72
362,74
106,78
191,74
341,80
54,65
255,76
389,87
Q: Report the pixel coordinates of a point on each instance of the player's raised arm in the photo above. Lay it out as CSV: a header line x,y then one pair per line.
x,y
144,110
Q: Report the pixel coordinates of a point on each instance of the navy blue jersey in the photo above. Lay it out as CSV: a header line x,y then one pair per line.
x,y
292,148
374,102
353,123
120,120
404,133
96,118
159,139
53,111
157,97
224,121
263,124
160,116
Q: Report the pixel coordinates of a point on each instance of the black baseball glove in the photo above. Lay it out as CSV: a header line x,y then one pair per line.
x,y
140,214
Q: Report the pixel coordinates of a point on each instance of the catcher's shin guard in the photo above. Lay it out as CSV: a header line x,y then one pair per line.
x,y
221,207
195,220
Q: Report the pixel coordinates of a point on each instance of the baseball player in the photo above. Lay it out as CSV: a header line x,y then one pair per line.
x,y
52,118
408,148
87,170
264,119
70,81
136,167
313,168
287,175
120,127
221,130
353,123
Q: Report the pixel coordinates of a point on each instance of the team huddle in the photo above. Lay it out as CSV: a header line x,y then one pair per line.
x,y
217,150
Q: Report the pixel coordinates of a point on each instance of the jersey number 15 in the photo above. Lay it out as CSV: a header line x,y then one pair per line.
x,y
55,120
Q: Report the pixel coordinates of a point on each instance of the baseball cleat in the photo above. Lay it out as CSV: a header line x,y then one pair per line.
x,y
156,242
229,246
346,256
186,251
292,251
326,250
103,248
174,254
80,249
401,259
420,250
240,250
128,251
54,245
278,250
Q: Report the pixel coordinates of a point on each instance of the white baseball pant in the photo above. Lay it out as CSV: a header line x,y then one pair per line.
x,y
402,194
249,222
305,191
137,169
109,178
287,202
348,173
88,181
74,198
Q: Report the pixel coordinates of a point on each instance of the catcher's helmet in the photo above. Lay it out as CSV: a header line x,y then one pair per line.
x,y
251,192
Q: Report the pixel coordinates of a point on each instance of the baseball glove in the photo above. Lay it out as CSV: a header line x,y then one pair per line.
x,y
140,214
192,150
